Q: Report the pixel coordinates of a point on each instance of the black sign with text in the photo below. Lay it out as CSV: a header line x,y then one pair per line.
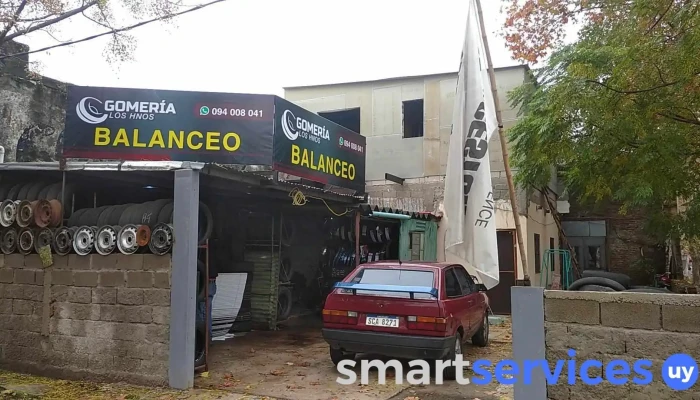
x,y
314,148
147,124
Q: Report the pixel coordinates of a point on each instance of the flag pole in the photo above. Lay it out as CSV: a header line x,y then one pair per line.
x,y
504,143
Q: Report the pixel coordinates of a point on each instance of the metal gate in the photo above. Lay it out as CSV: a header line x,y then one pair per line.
x,y
499,296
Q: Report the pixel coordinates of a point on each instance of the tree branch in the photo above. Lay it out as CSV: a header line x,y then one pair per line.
x,y
113,31
12,22
51,21
651,89
651,28
679,118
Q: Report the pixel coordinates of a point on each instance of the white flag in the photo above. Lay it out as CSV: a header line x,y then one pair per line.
x,y
469,204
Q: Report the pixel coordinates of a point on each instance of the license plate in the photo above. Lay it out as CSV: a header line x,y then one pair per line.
x,y
387,322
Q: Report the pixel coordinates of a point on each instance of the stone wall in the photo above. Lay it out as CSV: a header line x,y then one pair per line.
x,y
32,110
629,247
628,326
101,317
415,195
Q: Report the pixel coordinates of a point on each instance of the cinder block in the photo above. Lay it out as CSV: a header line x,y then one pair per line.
x,y
85,278
66,344
33,261
112,313
156,297
108,262
161,315
81,295
59,293
659,344
154,368
111,347
14,291
631,315
22,307
681,318
104,296
140,351
2,261
131,314
24,276
78,311
559,391
62,277
572,311
139,279
61,326
7,275
100,362
133,262
126,364
77,262
59,262
39,278
158,333
112,279
161,351
31,292
128,296
6,306
152,262
161,280
14,261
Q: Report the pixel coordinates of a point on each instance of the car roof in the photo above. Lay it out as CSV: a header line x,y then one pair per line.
x,y
396,264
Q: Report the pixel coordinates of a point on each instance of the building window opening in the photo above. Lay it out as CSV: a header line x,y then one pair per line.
x,y
349,118
413,118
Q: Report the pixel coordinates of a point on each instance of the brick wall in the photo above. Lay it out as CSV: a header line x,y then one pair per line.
x,y
101,317
630,326
628,244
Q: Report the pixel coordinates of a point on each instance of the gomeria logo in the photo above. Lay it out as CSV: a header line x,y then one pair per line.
x,y
94,111
294,126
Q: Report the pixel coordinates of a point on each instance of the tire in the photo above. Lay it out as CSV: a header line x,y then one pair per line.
x,y
622,279
481,337
205,230
284,303
649,290
338,355
596,281
595,288
450,374
202,280
200,337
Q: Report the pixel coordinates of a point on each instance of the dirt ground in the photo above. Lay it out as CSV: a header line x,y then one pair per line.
x,y
289,364
293,363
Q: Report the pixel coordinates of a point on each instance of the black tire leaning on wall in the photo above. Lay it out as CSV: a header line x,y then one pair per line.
x,y
596,288
165,216
596,281
201,280
200,335
206,230
75,218
33,192
622,279
284,308
14,191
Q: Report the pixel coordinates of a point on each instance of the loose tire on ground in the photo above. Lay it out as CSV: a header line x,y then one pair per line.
x,y
596,281
622,279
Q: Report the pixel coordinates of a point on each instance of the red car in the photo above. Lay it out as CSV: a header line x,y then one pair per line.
x,y
409,310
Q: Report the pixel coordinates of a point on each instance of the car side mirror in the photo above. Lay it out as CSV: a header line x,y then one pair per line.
x,y
482,287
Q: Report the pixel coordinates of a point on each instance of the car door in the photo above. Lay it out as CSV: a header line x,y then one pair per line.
x,y
474,299
456,306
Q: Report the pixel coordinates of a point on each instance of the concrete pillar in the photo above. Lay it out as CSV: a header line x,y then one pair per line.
x,y
184,279
527,305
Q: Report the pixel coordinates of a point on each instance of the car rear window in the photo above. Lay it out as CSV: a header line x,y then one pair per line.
x,y
396,277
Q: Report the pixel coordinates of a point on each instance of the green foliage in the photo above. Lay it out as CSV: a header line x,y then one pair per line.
x,y
619,111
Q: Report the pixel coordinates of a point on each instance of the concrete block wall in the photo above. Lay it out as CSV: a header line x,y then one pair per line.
x,y
629,326
101,317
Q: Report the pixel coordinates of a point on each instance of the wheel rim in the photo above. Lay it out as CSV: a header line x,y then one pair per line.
x,y
458,346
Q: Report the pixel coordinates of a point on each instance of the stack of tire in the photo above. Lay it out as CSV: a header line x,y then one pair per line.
x,y
244,320
30,214
604,281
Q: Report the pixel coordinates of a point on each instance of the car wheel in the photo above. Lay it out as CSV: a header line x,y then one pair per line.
x,y
338,355
450,373
481,337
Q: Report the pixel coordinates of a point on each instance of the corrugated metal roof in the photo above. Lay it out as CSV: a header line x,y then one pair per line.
x,y
101,166
368,208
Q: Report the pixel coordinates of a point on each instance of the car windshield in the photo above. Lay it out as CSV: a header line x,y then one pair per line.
x,y
396,277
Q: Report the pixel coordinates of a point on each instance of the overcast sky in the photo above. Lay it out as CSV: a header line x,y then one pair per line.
x,y
260,46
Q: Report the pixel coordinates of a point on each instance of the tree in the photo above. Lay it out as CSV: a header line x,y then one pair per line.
x,y
618,110
115,18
